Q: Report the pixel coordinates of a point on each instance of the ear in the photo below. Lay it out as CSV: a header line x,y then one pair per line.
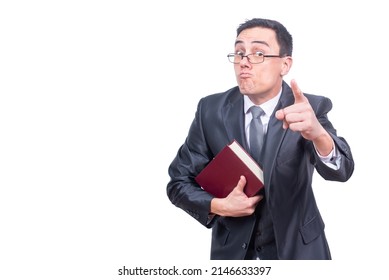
x,y
286,65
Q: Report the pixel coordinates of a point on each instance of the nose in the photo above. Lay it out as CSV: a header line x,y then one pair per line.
x,y
244,62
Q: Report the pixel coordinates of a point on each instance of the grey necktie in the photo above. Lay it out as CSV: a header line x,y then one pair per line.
x,y
256,132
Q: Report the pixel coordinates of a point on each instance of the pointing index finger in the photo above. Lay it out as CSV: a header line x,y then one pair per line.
x,y
297,92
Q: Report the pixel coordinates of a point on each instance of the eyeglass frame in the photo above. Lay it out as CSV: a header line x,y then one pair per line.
x,y
248,58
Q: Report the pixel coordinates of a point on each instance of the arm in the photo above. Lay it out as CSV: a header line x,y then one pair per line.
x,y
205,139
314,126
182,189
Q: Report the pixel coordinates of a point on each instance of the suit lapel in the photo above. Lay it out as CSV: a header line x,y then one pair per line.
x,y
274,136
233,119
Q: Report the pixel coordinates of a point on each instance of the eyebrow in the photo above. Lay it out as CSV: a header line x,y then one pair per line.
x,y
258,42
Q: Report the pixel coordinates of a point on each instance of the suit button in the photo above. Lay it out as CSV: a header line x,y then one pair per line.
x,y
244,245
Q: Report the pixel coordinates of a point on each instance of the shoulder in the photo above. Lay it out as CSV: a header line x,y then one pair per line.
x,y
227,95
221,99
315,98
319,102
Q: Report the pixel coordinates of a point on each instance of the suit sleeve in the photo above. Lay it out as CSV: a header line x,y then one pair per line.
x,y
192,156
346,159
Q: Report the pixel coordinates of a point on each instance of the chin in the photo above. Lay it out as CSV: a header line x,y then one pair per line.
x,y
246,91
247,87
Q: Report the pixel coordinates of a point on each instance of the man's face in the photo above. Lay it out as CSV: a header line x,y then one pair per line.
x,y
262,80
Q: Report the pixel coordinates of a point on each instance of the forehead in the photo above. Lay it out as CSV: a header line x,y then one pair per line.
x,y
257,36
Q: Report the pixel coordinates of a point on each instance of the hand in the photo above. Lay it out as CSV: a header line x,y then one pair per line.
x,y
301,117
237,203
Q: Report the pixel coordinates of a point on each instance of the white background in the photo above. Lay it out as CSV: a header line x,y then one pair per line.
x,y
82,177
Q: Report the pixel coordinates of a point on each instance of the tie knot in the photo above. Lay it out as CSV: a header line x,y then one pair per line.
x,y
256,112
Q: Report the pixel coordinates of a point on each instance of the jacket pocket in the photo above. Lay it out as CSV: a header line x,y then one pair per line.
x,y
312,229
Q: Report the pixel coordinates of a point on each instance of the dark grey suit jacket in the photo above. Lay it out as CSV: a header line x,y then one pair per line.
x,y
288,163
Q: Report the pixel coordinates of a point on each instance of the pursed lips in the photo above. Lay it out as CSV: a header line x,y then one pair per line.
x,y
244,75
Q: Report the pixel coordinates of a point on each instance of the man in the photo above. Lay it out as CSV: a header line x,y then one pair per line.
x,y
283,222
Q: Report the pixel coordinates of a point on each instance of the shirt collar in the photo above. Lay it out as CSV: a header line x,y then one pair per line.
x,y
268,107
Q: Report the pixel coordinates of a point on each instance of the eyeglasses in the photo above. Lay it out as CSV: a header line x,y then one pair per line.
x,y
254,58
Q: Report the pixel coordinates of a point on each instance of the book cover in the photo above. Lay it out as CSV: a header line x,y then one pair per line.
x,y
221,175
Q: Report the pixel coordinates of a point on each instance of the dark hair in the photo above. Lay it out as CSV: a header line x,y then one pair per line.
x,y
283,37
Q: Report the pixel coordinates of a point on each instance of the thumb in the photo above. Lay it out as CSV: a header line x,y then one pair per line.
x,y
280,115
241,184
298,94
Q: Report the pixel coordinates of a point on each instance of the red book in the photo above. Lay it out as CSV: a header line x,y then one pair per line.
x,y
222,173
